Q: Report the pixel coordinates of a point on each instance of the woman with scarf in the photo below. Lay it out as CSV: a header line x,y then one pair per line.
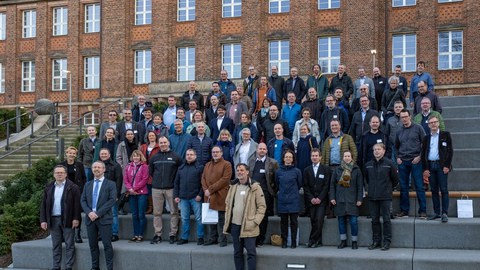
x,y
125,148
225,141
148,150
158,126
261,116
196,118
108,142
289,181
135,179
346,194
245,122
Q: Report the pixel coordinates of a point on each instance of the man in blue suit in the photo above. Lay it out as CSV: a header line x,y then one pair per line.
x,y
97,200
219,123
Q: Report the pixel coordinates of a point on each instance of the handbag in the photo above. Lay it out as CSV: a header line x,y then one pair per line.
x,y
209,216
465,207
276,240
124,196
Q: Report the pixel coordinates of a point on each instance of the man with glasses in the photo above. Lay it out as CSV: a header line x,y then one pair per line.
x,y
128,123
226,85
332,112
111,123
251,82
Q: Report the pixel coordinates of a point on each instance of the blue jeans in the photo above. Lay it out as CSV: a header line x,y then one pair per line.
x,y
404,170
186,206
439,180
342,227
138,205
89,174
115,219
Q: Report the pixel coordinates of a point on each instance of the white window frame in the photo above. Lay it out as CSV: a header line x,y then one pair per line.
x,y
59,77
143,66
333,56
60,21
91,119
278,6
448,1
3,26
28,76
143,12
450,53
282,63
91,72
330,4
404,56
403,3
185,72
187,10
231,6
92,18
29,23
2,78
231,52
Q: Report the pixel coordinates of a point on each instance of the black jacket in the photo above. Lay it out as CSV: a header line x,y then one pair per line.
x,y
163,167
80,177
445,150
71,209
299,89
317,186
267,127
188,181
185,99
382,177
358,126
202,148
113,172
345,82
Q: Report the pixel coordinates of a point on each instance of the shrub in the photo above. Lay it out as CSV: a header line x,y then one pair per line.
x,y
6,114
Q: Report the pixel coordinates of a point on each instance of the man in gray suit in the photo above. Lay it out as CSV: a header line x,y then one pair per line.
x,y
97,200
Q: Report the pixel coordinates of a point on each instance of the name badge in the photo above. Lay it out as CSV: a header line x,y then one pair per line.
x,y
338,143
321,176
444,143
379,141
264,95
174,114
242,192
135,131
380,82
262,170
169,158
400,83
93,147
335,116
275,145
426,121
235,110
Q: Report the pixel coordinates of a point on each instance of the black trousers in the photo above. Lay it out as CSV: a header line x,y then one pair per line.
x,y
381,208
216,230
239,244
293,226
317,216
94,229
269,212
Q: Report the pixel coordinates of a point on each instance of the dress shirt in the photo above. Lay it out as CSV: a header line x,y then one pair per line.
x,y
57,199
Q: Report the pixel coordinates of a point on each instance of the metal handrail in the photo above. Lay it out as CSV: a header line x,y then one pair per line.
x,y
56,131
29,112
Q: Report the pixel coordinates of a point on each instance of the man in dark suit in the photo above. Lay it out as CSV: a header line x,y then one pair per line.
x,y
129,123
296,85
219,123
437,154
316,177
60,212
97,200
263,170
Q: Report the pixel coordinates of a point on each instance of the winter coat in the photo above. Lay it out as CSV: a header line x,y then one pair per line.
x,y
80,177
289,182
163,168
304,148
188,181
346,197
140,172
202,148
381,177
216,178
71,209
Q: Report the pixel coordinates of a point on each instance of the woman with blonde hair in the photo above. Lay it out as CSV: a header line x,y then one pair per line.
x,y
197,117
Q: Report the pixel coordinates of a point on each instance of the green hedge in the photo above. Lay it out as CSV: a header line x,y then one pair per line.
x,y
8,114
20,199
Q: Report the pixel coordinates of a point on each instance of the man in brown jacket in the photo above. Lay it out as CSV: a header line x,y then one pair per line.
x,y
245,208
215,182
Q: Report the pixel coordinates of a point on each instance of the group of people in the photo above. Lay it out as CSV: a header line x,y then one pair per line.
x,y
329,142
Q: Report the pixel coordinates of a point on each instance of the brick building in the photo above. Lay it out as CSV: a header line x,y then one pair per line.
x,y
121,48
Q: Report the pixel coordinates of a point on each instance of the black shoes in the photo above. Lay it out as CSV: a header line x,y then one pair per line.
x,y
386,246
200,242
182,241
402,215
284,244
354,245
422,215
342,244
294,244
156,239
115,238
210,242
434,217
444,218
374,245
223,243
172,239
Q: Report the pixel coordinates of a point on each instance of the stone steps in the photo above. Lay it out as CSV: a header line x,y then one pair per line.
x,y
460,111
468,124
466,158
465,140
456,101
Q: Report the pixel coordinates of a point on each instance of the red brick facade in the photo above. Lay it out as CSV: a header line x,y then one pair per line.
x,y
361,25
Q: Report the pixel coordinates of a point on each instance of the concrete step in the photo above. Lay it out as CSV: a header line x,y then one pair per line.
x,y
460,111
466,158
470,124
461,140
464,179
460,101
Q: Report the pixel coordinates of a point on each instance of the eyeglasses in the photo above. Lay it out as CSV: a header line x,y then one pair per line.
x,y
432,122
112,114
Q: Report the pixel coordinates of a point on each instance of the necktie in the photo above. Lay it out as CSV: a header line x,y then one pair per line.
x,y
95,194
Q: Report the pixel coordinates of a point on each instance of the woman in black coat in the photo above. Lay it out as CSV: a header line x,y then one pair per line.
x,y
346,194
304,147
289,181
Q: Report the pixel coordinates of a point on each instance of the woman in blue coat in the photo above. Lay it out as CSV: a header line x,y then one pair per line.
x,y
289,181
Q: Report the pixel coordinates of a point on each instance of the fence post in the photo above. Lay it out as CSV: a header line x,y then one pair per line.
x,y
31,124
60,148
18,119
7,147
29,155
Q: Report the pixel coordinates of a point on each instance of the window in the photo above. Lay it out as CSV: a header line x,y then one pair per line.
x,y
279,6
186,10
279,55
92,72
2,78
186,64
232,59
91,119
28,76
328,4
403,3
404,52
450,50
3,26
143,12
143,66
329,54
59,76
92,18
231,8
29,23
60,21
